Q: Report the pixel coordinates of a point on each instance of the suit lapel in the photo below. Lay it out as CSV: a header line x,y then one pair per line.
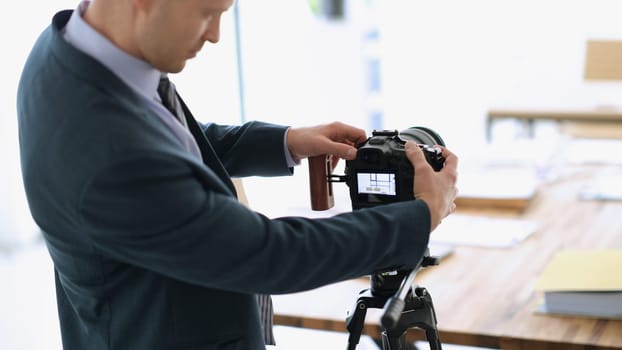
x,y
207,151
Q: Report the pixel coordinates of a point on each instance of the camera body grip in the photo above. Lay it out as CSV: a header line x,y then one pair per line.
x,y
320,168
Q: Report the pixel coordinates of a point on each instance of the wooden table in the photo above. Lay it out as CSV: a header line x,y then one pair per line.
x,y
484,296
598,115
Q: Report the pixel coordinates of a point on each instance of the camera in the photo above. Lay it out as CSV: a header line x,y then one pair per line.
x,y
381,172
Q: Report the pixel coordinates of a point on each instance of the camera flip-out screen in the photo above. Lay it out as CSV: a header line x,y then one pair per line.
x,y
376,183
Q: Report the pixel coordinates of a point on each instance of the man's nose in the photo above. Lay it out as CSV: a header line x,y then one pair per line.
x,y
212,34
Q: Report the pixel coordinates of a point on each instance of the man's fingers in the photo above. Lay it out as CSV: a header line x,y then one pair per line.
x,y
344,151
451,160
414,153
344,132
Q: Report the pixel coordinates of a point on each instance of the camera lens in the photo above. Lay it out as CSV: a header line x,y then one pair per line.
x,y
422,135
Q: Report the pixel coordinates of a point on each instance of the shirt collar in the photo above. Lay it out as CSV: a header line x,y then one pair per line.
x,y
136,73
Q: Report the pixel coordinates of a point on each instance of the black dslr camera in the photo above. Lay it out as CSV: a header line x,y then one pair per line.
x,y
381,173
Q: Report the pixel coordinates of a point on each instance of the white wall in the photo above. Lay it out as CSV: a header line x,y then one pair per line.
x,y
444,63
300,69
447,61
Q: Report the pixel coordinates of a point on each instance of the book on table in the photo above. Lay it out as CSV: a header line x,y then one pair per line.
x,y
583,282
497,187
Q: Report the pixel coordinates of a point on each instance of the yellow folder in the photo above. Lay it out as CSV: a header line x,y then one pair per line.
x,y
583,271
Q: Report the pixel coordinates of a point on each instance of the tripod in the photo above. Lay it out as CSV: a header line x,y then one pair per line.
x,y
405,306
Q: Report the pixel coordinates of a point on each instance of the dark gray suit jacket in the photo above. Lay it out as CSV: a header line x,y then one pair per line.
x,y
151,249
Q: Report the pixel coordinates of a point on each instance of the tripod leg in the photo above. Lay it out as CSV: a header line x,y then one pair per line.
x,y
355,322
393,343
396,343
435,342
419,313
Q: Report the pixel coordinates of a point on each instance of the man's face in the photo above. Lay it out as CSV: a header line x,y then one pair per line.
x,y
169,32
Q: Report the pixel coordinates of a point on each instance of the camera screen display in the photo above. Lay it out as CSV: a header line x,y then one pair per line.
x,y
376,183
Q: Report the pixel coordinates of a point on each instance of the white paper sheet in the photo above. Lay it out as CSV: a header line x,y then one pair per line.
x,y
481,231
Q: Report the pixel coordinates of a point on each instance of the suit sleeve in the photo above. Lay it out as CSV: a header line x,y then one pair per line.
x,y
155,212
234,144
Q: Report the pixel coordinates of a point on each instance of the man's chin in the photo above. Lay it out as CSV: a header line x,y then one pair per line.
x,y
173,67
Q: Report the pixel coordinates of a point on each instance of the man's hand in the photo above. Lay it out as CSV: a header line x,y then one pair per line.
x,y
337,139
437,189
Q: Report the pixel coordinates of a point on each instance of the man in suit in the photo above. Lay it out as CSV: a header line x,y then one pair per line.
x,y
151,249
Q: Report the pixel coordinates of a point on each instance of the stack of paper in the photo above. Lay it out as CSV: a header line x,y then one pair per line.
x,y
492,232
583,282
591,151
497,187
603,187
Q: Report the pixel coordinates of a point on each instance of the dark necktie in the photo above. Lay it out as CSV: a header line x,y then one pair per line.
x,y
167,93
266,314
176,106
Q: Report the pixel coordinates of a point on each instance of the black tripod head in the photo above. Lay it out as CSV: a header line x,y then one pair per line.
x,y
387,283
404,306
